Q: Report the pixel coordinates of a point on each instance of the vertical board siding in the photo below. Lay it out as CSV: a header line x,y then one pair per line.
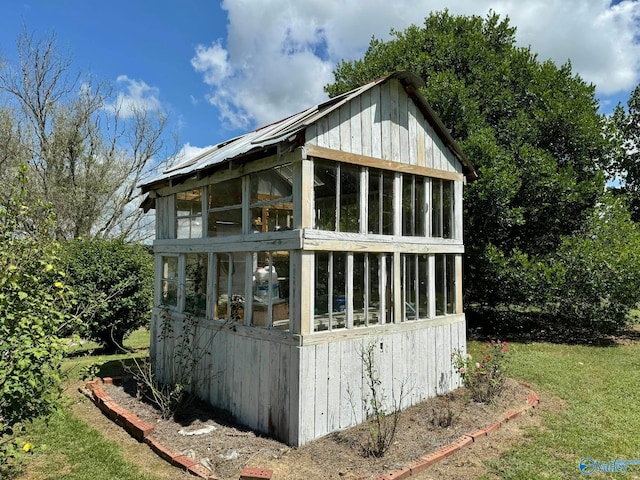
x,y
333,382
385,123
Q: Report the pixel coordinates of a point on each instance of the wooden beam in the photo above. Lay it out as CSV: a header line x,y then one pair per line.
x,y
353,158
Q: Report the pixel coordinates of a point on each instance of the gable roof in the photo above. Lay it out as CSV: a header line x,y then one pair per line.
x,y
284,133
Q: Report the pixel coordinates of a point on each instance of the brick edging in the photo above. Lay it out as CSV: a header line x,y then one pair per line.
x,y
139,429
464,441
142,432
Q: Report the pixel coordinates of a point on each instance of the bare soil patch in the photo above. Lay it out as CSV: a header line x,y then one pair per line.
x,y
229,447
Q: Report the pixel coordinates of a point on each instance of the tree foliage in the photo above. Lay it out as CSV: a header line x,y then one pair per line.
x,y
34,306
85,151
114,279
531,128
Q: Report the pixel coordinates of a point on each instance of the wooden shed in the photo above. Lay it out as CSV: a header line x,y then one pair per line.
x,y
284,254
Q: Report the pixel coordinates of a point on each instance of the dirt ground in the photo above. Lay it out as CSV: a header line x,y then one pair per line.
x,y
228,448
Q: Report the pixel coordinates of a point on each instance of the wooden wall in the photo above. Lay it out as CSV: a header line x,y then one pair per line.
x,y
255,379
385,123
300,392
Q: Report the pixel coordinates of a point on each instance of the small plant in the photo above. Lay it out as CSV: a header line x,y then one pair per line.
x,y
383,424
442,412
483,379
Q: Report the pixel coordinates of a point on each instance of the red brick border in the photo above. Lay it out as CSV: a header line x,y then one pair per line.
x,y
142,432
138,429
464,441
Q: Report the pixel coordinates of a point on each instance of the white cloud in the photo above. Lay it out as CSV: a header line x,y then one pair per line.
x,y
278,54
134,95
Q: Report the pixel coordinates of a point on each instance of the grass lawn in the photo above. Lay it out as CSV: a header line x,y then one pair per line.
x,y
600,387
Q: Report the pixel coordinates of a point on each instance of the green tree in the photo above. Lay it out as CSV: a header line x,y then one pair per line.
x,y
114,279
531,128
34,306
625,166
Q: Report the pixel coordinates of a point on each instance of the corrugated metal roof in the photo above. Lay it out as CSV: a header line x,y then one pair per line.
x,y
283,130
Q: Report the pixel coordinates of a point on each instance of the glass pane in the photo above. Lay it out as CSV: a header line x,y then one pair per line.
x,y
387,203
423,286
451,283
272,218
270,185
420,208
375,202
169,293
409,285
408,207
225,194
440,285
189,203
339,267
447,209
169,283
374,289
324,192
189,227
436,207
321,300
349,198
170,268
225,222
231,270
196,284
271,275
359,289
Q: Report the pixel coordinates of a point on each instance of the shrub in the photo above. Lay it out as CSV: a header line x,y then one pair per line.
x,y
114,279
484,379
34,301
601,271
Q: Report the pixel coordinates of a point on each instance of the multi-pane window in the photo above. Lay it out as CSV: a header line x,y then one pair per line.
x,y
224,208
169,282
337,196
189,214
271,200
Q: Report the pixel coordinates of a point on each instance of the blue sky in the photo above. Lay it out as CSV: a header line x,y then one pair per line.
x,y
219,69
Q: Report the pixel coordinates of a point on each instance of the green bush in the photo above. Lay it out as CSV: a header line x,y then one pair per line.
x,y
601,270
34,301
114,283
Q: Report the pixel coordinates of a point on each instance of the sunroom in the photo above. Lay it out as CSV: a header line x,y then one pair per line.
x,y
283,254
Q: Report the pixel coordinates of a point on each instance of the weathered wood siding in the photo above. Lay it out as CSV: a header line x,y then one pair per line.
x,y
255,379
385,123
413,363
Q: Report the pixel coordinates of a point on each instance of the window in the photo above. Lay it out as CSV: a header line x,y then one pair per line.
x,y
230,287
324,193
224,208
413,206
169,282
445,284
415,285
271,290
442,208
271,201
380,197
196,284
189,214
330,297
349,198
